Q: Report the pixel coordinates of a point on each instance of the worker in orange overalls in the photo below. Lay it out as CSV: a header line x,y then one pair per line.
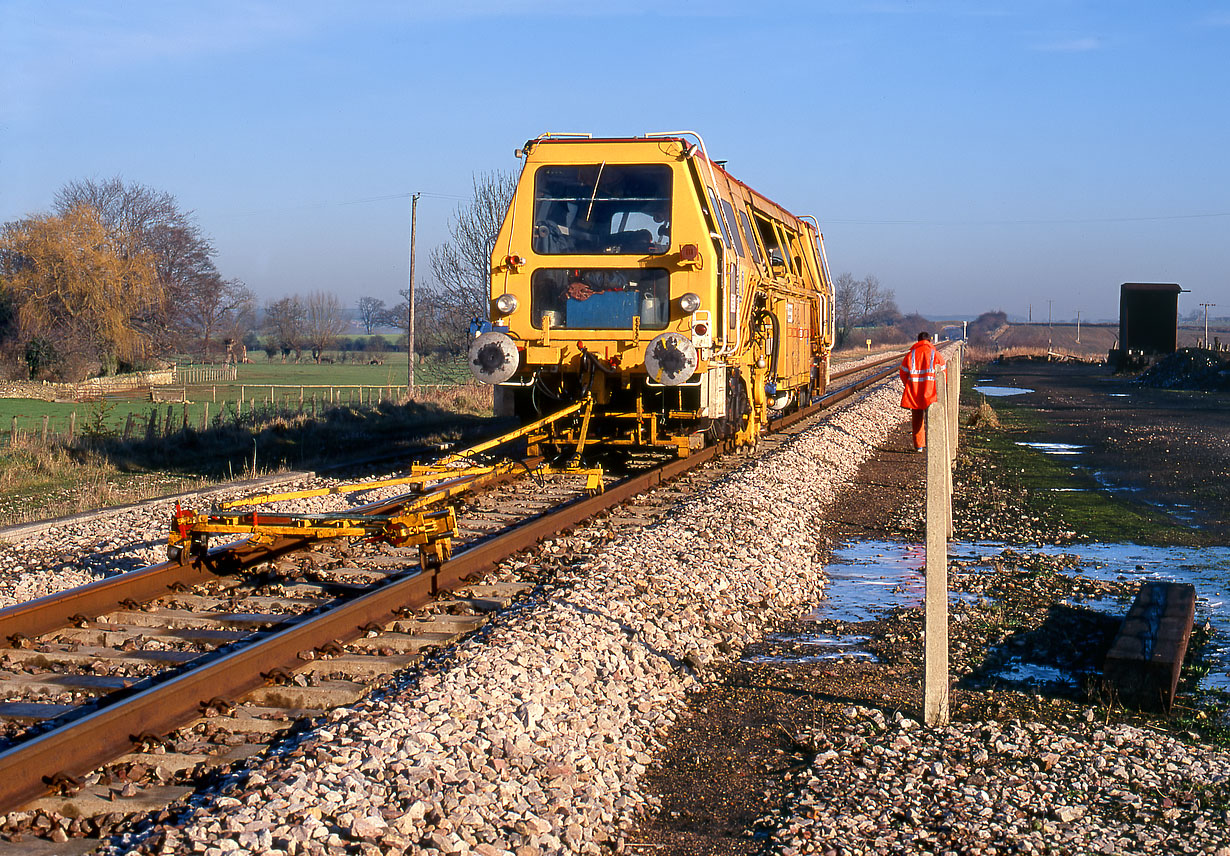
x,y
918,376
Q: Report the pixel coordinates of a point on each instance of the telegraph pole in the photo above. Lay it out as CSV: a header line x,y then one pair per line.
x,y
414,212
1078,326
1048,328
1206,322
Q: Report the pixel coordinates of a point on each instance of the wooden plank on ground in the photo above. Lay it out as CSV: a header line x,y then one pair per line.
x,y
1144,662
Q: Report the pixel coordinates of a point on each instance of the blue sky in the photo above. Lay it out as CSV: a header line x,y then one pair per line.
x,y
972,155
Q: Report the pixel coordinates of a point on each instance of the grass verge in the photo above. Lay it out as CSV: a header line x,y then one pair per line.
x,y
1051,489
102,469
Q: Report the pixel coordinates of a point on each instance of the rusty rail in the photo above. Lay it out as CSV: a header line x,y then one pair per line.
x,y
93,739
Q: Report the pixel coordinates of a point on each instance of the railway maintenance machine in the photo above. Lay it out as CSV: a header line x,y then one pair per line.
x,y
638,276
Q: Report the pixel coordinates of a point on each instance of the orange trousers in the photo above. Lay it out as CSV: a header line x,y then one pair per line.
x,y
918,425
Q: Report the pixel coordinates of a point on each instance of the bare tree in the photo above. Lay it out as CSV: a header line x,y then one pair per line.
x,y
371,313
214,308
323,322
462,265
142,220
137,216
845,291
872,298
441,326
284,324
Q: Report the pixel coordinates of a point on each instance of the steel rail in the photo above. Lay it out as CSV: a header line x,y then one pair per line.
x,y
35,617
93,739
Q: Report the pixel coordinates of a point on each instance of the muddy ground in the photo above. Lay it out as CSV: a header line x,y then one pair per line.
x,y
1163,456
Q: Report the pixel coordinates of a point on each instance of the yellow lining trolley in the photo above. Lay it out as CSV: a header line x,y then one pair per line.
x,y
638,273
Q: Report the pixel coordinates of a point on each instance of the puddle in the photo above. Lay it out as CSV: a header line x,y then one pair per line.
x,y
1180,511
783,649
1207,568
865,581
1054,448
1017,672
1001,391
870,578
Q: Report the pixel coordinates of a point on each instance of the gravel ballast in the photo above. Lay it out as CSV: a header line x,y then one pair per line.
x,y
534,737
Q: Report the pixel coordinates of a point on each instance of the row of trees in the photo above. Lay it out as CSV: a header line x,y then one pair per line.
x,y
117,276
114,276
867,303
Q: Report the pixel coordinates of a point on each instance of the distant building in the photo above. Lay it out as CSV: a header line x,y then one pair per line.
x,y
1148,321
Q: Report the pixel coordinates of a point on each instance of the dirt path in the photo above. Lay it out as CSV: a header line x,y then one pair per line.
x,y
731,759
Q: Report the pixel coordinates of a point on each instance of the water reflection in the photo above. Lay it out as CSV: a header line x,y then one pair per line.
x,y
870,578
1001,391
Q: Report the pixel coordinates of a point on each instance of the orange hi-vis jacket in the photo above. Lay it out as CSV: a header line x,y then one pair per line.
x,y
918,371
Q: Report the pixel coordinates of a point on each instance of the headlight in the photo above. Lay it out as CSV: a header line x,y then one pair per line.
x,y
506,304
690,302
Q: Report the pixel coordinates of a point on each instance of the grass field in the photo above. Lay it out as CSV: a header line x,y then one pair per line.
x,y
292,387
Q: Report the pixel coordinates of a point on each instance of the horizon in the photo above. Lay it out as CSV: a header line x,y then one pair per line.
x,y
973,156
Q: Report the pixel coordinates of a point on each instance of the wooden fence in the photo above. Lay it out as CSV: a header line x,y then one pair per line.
x,y
162,421
275,393
194,374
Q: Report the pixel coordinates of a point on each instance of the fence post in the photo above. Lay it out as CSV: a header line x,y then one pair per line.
x,y
205,418
13,433
72,425
128,428
215,395
935,627
46,419
954,398
300,399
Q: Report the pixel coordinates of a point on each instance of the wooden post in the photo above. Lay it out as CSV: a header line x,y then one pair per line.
x,y
13,433
128,428
300,399
215,395
242,390
205,418
72,426
46,419
935,627
151,424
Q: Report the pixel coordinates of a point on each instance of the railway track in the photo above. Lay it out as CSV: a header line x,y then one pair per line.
x,y
224,655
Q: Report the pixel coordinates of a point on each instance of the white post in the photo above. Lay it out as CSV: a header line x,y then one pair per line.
x,y
935,626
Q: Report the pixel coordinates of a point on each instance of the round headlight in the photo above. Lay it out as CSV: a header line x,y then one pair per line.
x,y
690,302
506,304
